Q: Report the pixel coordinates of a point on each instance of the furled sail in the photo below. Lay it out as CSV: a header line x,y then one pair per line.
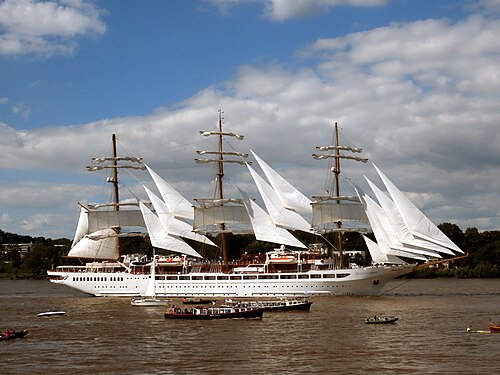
x,y
100,245
333,211
176,203
102,219
209,214
280,215
419,225
95,237
264,228
171,224
160,238
291,198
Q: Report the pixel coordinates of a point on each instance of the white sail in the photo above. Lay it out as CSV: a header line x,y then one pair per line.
x,y
82,227
100,245
171,224
280,215
176,203
160,238
402,232
151,287
102,219
378,256
291,198
206,215
264,228
419,225
386,236
327,212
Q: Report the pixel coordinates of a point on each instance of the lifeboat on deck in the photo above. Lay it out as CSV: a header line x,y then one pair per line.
x,y
170,261
281,256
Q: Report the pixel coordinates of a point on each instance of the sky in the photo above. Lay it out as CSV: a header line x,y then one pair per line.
x,y
416,84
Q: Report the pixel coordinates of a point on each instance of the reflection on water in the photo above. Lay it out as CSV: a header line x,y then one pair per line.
x,y
109,336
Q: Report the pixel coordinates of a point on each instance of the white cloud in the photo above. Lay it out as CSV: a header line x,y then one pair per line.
x,y
5,219
46,27
281,10
420,98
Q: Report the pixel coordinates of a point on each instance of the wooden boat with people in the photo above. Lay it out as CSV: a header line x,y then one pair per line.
x,y
198,301
381,320
282,304
207,313
11,334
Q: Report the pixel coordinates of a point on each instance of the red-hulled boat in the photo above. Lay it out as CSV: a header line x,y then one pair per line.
x,y
494,328
10,334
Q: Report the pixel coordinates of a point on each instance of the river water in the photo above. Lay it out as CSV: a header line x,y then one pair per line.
x,y
109,336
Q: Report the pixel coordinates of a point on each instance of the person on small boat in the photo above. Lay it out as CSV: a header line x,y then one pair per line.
x,y
469,328
9,332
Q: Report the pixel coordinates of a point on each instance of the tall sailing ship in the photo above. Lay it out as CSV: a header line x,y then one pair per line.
x,y
404,235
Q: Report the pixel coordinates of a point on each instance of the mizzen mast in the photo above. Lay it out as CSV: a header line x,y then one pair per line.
x,y
332,210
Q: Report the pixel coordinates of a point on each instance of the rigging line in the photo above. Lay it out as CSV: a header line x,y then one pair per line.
x,y
350,141
397,286
131,192
323,237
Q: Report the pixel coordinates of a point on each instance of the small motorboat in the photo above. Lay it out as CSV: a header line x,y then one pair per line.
x,y
10,334
206,313
381,320
149,302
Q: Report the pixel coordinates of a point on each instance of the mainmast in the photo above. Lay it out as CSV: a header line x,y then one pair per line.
x,y
220,175
115,175
218,206
331,211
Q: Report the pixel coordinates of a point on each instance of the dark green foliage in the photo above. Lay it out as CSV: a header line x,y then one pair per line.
x,y
483,249
44,254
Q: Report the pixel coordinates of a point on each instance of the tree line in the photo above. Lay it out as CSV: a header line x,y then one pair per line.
x,y
483,249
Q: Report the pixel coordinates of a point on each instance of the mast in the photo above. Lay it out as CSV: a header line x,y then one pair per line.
x,y
220,175
330,212
114,166
220,201
115,175
115,188
336,172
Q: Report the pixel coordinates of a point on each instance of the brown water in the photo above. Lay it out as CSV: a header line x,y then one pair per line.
x,y
109,336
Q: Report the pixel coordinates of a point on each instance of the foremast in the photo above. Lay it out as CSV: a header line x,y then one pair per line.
x,y
221,210
93,224
332,210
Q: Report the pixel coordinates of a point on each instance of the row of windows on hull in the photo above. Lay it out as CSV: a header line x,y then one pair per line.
x,y
221,277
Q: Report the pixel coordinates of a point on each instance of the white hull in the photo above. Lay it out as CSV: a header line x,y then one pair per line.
x,y
356,281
